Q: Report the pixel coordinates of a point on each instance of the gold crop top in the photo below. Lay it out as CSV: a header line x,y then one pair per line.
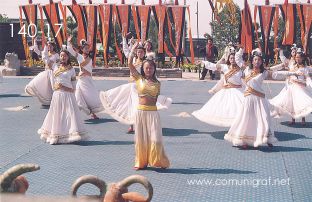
x,y
145,88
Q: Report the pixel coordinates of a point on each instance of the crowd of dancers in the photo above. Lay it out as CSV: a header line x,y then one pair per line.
x,y
239,101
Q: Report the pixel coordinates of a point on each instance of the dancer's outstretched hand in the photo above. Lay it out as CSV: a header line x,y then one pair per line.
x,y
69,39
211,91
198,62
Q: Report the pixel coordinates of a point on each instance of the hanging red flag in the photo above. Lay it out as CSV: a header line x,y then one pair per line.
x,y
25,45
305,17
91,13
144,15
53,17
64,14
266,14
246,30
160,13
289,16
43,39
115,21
136,22
78,14
30,13
190,36
123,12
106,18
178,14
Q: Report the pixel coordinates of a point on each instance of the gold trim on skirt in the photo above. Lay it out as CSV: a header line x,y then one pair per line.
x,y
147,108
251,91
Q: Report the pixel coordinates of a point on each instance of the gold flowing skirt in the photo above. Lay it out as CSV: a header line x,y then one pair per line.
x,y
149,149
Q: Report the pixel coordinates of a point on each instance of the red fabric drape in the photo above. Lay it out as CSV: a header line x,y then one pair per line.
x,y
266,14
79,16
178,13
246,32
30,13
288,13
91,13
25,45
115,21
106,17
305,17
136,22
53,16
190,36
144,14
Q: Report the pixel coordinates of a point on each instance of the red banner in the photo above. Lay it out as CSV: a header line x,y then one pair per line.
x,y
160,15
23,36
91,14
266,14
30,13
246,31
53,17
169,27
43,39
178,13
79,16
124,18
275,26
106,17
289,14
190,36
136,22
305,17
144,15
64,14
115,19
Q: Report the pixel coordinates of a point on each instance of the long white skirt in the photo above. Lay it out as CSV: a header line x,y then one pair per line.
x,y
121,102
222,108
41,87
252,126
87,96
294,101
63,123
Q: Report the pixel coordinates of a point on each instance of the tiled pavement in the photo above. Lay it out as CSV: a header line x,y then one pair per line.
x,y
196,150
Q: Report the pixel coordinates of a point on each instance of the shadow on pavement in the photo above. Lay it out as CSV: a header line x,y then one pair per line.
x,y
12,95
283,149
45,107
188,171
297,124
283,136
219,135
98,121
180,132
96,143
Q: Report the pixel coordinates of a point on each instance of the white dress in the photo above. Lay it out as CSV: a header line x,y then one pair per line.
x,y
1,77
63,123
121,102
222,108
295,99
252,125
41,85
88,97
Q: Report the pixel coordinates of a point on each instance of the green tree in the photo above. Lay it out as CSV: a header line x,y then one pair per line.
x,y
227,28
3,18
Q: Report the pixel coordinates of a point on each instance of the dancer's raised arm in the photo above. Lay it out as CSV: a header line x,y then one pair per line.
x,y
132,68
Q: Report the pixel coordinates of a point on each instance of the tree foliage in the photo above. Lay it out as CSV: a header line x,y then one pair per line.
x,y
226,30
3,18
